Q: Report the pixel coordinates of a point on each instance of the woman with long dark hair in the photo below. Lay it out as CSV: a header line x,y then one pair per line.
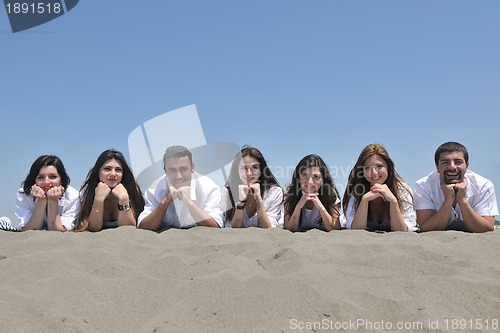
x,y
376,197
110,196
252,197
46,200
312,200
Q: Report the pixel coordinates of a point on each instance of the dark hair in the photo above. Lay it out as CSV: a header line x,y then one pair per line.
x,y
177,151
327,193
357,185
87,191
266,179
44,161
450,147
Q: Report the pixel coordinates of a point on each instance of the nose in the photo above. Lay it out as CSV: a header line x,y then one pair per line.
x,y
46,180
310,180
249,172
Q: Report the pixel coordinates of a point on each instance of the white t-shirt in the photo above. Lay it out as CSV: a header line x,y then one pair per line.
x,y
273,203
68,205
480,194
204,193
409,215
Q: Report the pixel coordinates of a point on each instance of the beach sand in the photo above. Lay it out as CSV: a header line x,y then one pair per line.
x,y
249,280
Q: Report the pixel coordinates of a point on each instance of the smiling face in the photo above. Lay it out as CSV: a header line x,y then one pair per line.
x,y
310,179
452,167
375,170
179,171
47,178
249,170
111,173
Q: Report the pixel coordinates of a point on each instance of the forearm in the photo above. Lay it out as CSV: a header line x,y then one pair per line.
x,y
36,220
330,221
361,216
53,216
292,222
438,221
262,218
396,218
154,220
126,217
238,219
201,218
475,222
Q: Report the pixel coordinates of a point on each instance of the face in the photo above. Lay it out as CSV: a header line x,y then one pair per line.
x,y
375,170
179,171
111,173
48,178
452,167
249,170
310,179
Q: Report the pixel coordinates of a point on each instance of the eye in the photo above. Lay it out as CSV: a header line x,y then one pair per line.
x,y
317,177
52,177
183,170
304,176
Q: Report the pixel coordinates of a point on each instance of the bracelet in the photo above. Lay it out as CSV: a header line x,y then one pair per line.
x,y
124,207
95,210
240,205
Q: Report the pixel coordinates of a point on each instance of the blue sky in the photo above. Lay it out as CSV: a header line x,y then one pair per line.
x,y
291,77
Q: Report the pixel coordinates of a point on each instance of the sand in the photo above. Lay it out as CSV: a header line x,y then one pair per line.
x,y
250,280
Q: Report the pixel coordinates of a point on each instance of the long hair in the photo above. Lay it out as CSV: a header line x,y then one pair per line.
x,y
266,179
327,192
38,164
87,191
357,185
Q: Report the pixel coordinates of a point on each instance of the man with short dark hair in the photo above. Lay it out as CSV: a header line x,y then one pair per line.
x,y
181,198
453,197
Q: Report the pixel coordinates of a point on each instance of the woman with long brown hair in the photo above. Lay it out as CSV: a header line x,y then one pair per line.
x,y
376,197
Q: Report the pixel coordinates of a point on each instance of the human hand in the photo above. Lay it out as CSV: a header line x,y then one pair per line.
x,y
242,192
254,190
37,192
55,193
461,192
384,192
102,191
449,192
120,192
184,193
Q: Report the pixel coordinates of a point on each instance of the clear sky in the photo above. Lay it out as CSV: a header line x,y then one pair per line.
x,y
291,77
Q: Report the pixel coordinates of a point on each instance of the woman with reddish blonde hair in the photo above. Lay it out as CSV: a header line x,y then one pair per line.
x,y
376,197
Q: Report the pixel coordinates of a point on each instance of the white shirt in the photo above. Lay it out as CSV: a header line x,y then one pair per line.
x,y
204,193
273,203
409,215
68,205
480,194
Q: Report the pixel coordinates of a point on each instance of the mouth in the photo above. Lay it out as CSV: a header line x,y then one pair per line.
x,y
452,177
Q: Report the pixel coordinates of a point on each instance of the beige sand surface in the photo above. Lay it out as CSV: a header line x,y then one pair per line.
x,y
251,280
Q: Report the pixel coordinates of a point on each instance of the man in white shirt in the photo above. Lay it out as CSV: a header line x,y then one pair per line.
x,y
453,197
181,198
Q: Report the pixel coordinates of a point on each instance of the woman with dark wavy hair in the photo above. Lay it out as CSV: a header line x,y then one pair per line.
x,y
312,200
46,200
110,196
376,197
252,197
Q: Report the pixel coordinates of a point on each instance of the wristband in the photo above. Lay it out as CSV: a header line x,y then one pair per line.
x,y
124,207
